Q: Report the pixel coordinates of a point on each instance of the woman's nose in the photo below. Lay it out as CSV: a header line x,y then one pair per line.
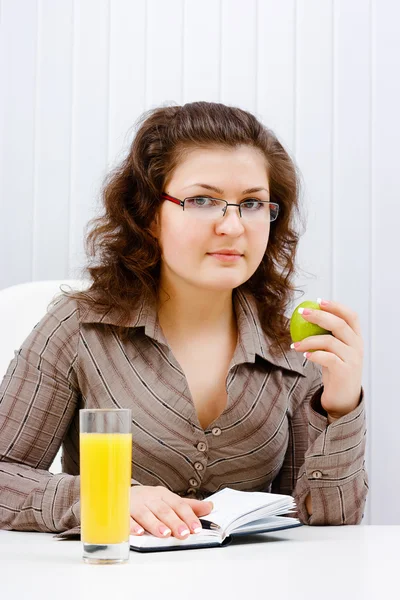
x,y
231,223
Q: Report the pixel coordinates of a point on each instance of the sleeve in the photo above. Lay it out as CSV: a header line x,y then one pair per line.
x,y
327,461
38,398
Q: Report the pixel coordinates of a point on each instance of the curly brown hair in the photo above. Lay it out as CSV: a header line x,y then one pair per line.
x,y
126,256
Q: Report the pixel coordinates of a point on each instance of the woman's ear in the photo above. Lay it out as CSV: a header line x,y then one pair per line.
x,y
154,228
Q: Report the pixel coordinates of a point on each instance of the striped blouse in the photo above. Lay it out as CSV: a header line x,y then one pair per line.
x,y
273,434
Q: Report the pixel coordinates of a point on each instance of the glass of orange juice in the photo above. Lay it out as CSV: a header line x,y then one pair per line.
x,y
105,446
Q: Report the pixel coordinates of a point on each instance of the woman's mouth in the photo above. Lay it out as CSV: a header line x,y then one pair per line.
x,y
226,256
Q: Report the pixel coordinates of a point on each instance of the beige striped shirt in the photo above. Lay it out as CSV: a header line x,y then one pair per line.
x,y
273,434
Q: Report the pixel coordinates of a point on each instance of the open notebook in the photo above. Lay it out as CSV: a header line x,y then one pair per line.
x,y
235,513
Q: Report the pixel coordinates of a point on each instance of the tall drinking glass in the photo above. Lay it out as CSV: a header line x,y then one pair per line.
x,y
105,477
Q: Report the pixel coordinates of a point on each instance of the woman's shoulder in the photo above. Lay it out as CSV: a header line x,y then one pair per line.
x,y
83,307
61,318
55,336
75,302
63,307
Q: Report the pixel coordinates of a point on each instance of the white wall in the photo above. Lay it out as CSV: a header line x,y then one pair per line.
x,y
324,74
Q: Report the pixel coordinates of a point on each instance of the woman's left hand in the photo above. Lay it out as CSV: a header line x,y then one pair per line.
x,y
340,356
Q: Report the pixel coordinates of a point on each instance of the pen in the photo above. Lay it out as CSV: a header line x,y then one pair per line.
x,y
208,524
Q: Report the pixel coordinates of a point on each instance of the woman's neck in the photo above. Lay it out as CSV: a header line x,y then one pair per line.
x,y
193,312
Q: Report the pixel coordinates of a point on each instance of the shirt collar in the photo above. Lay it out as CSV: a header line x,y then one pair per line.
x,y
252,339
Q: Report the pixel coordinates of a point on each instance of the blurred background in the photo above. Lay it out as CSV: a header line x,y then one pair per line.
x,y
323,74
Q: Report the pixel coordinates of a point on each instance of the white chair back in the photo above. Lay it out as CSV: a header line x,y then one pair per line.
x,y
22,306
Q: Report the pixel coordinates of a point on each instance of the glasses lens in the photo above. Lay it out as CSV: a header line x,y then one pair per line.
x,y
257,210
274,211
204,208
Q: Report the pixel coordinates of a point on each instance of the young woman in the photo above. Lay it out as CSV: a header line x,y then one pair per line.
x,y
184,322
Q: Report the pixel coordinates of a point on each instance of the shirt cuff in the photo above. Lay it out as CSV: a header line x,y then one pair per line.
x,y
338,453
319,416
61,502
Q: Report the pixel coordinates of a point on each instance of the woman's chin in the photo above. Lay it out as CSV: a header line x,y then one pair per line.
x,y
221,282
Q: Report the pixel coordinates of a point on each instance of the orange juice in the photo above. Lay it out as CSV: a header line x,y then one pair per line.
x,y
105,469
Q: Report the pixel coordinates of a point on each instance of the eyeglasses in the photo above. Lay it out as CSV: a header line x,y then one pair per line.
x,y
207,208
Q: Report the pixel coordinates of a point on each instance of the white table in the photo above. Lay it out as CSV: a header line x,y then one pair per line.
x,y
324,563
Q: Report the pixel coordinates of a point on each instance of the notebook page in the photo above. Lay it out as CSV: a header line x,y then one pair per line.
x,y
267,524
146,540
266,511
230,505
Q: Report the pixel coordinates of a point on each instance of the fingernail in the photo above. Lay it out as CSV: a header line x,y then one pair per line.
x,y
196,527
322,302
295,345
164,530
306,354
139,530
182,530
304,311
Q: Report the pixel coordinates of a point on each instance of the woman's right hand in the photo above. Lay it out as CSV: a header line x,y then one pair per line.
x,y
163,513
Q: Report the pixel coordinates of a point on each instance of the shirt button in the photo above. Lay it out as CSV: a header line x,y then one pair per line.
x,y
198,466
202,446
316,474
216,431
193,482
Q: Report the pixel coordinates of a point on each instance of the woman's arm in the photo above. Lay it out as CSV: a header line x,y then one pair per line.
x,y
324,467
38,398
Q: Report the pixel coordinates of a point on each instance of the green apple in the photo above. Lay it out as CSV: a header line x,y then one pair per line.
x,y
300,328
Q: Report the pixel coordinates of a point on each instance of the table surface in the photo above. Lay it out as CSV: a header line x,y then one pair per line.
x,y
357,562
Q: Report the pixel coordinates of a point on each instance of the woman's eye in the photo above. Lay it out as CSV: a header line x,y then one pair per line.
x,y
200,201
252,205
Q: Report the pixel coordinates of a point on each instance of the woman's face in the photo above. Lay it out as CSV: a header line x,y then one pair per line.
x,y
190,246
